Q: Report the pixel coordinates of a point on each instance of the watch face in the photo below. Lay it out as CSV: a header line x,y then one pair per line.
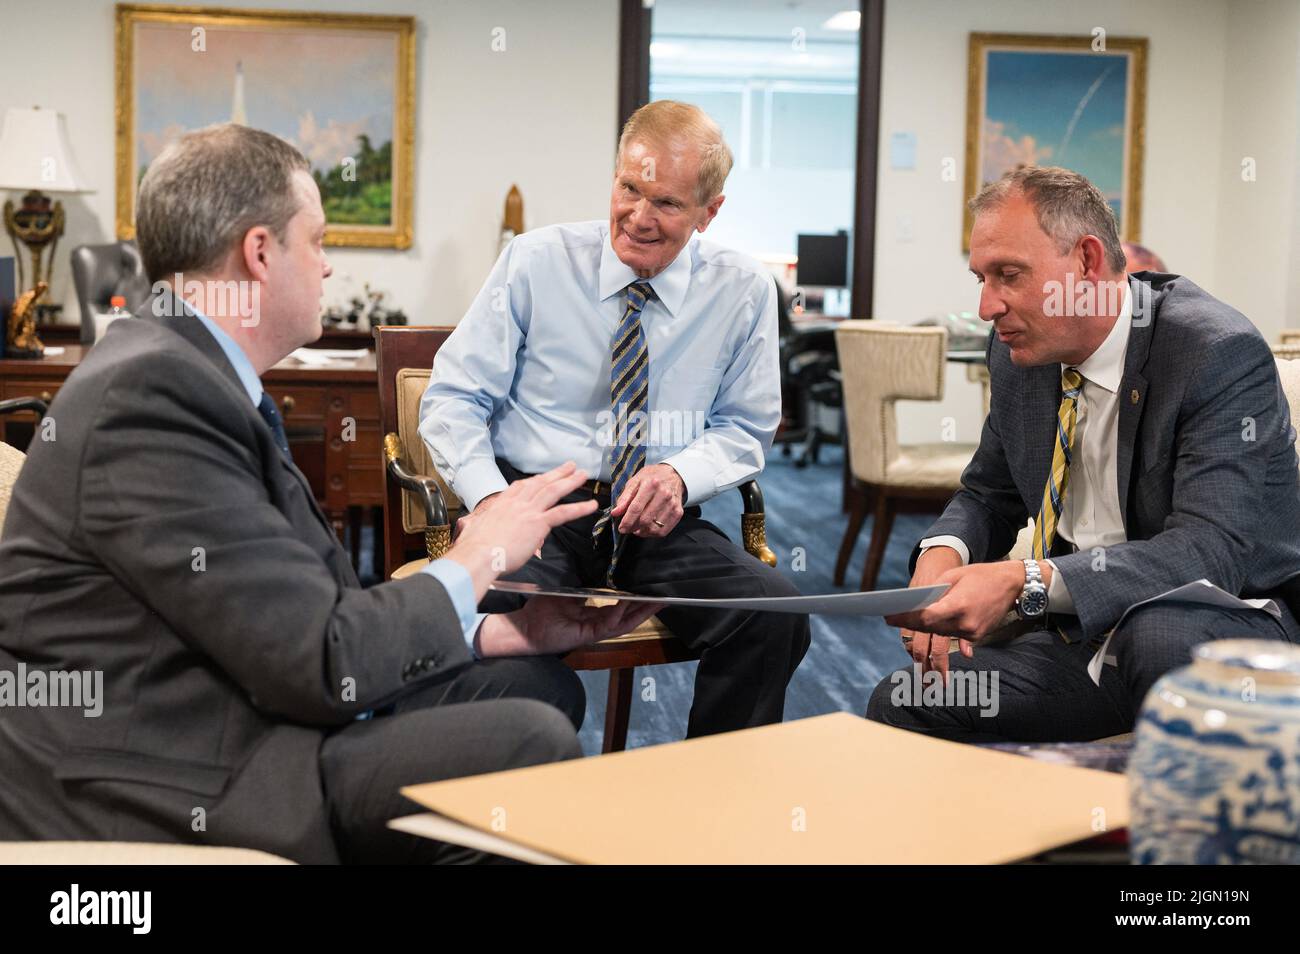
x,y
1034,602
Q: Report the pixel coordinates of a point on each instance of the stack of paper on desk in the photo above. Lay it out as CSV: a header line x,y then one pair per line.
x,y
323,356
835,789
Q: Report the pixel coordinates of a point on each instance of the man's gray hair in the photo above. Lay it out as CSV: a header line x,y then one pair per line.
x,y
1066,204
206,190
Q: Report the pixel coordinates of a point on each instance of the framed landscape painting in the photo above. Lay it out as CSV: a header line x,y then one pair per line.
x,y
182,68
1072,101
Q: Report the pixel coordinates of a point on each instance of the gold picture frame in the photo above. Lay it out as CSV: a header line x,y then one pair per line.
x,y
1036,109
378,213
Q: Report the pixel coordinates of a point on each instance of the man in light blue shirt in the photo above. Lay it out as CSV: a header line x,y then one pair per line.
x,y
649,357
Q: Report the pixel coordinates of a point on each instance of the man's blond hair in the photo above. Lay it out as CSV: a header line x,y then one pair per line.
x,y
666,122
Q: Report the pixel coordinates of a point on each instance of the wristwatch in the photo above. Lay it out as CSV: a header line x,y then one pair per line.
x,y
1033,598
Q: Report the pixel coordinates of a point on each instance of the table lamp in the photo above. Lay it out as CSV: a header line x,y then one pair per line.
x,y
35,155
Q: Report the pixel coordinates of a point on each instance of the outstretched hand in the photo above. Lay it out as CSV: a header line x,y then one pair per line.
x,y
976,604
557,624
505,535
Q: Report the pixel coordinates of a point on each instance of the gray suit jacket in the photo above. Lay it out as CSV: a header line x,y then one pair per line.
x,y
1207,472
223,667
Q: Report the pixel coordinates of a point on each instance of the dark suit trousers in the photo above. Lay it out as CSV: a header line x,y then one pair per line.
x,y
490,716
1043,691
747,658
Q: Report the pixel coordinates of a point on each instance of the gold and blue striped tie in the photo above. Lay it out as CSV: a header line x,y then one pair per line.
x,y
1049,512
629,392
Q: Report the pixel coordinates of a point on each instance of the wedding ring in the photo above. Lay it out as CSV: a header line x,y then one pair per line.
x,y
658,524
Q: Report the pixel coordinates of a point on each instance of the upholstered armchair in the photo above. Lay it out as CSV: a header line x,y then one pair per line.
x,y
883,364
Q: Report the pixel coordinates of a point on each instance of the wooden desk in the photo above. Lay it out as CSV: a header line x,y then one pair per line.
x,y
331,412
331,415
65,333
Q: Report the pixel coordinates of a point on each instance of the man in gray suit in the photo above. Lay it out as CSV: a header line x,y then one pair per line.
x,y
161,540
1141,423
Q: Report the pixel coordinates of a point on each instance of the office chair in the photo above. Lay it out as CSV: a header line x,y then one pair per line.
x,y
102,271
810,380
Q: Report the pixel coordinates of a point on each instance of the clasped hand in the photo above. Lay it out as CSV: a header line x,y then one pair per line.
x,y
651,503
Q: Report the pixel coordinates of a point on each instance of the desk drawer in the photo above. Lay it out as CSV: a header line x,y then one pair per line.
x,y
365,445
365,407
43,388
365,484
299,405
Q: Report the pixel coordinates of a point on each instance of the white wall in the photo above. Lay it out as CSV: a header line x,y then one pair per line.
x,y
1259,233
541,114
1223,83
927,95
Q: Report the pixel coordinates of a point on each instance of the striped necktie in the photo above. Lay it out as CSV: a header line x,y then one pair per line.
x,y
1049,512
629,390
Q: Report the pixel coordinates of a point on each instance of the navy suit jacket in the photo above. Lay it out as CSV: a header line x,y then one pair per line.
x,y
1207,471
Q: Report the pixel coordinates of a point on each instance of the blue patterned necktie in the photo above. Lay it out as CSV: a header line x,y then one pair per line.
x,y
266,407
629,390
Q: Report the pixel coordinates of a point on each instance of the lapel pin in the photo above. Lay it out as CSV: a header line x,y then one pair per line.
x,y
1133,396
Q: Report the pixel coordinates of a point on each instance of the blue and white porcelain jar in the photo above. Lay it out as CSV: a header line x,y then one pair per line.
x,y
1215,772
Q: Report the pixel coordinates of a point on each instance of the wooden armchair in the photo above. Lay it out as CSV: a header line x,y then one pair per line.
x,y
418,506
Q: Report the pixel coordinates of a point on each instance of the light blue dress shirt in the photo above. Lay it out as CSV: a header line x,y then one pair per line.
x,y
455,579
525,375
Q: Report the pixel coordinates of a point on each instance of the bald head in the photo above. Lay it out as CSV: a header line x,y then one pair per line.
x,y
1139,258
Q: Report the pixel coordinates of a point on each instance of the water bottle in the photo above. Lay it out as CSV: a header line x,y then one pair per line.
x,y
117,309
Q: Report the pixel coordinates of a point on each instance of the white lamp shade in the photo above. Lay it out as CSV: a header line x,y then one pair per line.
x,y
35,153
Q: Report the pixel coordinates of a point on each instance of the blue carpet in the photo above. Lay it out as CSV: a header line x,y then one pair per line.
x,y
848,656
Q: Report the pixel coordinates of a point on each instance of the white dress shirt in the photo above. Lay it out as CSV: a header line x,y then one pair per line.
x,y
1091,515
525,375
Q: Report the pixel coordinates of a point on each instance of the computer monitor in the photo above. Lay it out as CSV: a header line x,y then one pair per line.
x,y
823,260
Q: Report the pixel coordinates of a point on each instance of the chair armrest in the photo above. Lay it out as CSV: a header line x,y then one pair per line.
x,y
753,523
23,404
437,533
1024,545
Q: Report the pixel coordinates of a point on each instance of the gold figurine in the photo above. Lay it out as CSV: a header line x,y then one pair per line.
x,y
20,334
